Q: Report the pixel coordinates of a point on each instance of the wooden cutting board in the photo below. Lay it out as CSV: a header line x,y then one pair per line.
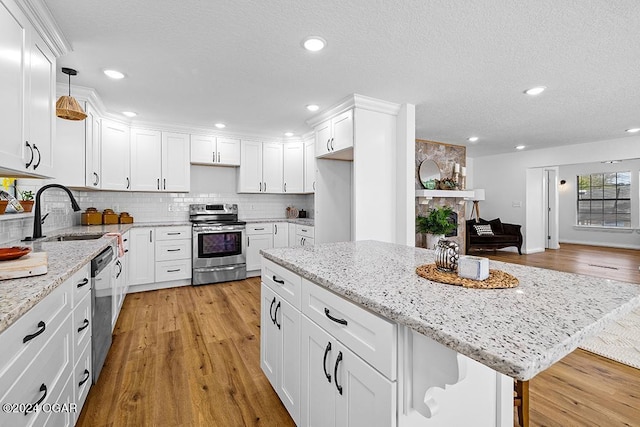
x,y
32,264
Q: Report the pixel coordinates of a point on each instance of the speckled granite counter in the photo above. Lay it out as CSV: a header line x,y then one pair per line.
x,y
302,221
518,332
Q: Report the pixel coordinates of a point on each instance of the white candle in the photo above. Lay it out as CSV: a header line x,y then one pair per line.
x,y
456,168
463,171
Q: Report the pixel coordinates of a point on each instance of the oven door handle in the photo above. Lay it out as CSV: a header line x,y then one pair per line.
x,y
222,229
232,267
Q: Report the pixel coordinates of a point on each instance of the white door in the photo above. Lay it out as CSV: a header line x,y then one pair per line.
x,y
551,205
228,151
342,136
323,138
142,256
269,336
40,105
176,170
146,160
287,320
293,167
115,155
203,149
309,167
14,153
318,354
280,235
272,178
254,244
250,171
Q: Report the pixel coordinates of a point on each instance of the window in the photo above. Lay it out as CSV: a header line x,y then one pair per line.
x,y
604,199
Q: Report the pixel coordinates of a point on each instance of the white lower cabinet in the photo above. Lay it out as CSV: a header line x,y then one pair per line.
x,y
259,236
338,387
142,256
280,235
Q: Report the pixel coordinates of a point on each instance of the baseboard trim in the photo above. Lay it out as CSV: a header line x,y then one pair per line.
x,y
158,285
603,244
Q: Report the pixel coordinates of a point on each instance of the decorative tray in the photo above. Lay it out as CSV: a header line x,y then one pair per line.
x,y
497,279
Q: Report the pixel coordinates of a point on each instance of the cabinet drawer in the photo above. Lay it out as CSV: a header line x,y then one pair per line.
x,y
173,270
82,379
173,233
366,334
46,372
304,231
81,325
167,250
81,283
284,282
260,228
51,311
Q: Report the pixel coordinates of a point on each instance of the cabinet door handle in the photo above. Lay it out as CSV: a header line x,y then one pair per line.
x,y
31,159
260,187
285,187
85,325
126,251
97,180
150,236
158,183
119,264
175,270
214,157
302,241
31,408
39,157
324,361
248,241
328,143
275,227
335,319
85,379
265,187
273,319
331,144
218,157
275,315
335,372
314,186
174,250
84,282
275,279
42,327
164,183
128,183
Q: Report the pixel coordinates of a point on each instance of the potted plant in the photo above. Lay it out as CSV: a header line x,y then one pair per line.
x,y
435,225
26,200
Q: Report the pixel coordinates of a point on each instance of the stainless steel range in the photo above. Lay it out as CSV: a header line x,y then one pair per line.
x,y
219,244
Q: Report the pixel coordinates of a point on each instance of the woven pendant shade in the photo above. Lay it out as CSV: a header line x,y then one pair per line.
x,y
69,109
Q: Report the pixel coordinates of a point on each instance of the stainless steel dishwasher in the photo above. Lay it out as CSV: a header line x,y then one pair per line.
x,y
101,294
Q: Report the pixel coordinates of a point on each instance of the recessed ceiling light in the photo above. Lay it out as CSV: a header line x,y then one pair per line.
x,y
473,139
114,74
314,43
129,113
535,90
288,134
220,125
313,107
633,130
520,147
612,161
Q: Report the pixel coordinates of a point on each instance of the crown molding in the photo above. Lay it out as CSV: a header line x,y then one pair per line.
x,y
355,101
42,20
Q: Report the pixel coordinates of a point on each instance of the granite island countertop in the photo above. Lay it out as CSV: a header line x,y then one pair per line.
x,y
519,331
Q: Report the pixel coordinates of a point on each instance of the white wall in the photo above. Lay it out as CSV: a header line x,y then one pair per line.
x,y
504,176
569,233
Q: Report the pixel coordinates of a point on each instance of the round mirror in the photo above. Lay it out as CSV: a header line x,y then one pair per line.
x,y
429,172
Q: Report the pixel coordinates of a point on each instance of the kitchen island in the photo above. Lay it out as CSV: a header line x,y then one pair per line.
x,y
450,339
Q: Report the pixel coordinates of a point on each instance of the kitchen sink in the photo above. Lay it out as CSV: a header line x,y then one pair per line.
x,y
76,237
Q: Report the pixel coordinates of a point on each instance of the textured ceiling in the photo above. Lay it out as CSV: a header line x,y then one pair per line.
x,y
464,64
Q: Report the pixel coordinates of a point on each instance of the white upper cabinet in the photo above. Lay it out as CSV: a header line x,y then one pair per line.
x,y
176,173
250,171
293,169
92,154
115,155
309,167
209,150
146,160
335,136
28,90
272,162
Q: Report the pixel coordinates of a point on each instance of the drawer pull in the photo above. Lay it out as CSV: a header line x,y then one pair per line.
x,y
42,327
341,321
273,319
303,230
275,279
85,325
324,361
275,315
175,270
84,282
256,229
335,372
173,250
32,407
174,234
85,379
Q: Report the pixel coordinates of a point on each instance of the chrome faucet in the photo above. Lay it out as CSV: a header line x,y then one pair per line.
x,y
37,220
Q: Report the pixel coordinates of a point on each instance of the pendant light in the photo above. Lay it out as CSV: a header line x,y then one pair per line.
x,y
67,107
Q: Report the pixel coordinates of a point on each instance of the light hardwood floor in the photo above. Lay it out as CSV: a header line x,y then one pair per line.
x,y
190,357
